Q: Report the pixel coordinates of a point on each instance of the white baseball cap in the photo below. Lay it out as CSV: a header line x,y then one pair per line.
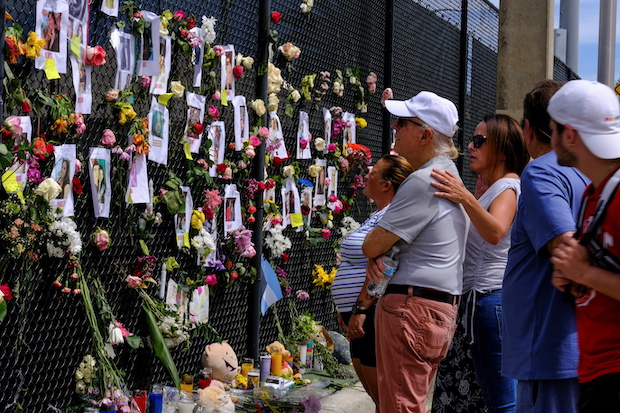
x,y
437,112
593,110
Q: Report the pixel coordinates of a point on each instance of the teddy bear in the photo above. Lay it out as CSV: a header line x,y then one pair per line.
x,y
216,399
222,360
277,347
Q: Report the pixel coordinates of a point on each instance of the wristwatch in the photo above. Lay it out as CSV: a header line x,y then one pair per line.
x,y
357,310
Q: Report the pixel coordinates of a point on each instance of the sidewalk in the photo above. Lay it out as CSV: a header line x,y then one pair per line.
x,y
352,399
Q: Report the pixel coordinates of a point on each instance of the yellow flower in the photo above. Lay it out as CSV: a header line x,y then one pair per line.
x,y
198,217
34,45
361,123
323,278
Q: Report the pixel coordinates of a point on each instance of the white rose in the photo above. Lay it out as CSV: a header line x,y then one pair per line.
x,y
273,102
352,80
48,189
288,171
313,170
258,106
238,59
295,95
319,144
247,62
177,88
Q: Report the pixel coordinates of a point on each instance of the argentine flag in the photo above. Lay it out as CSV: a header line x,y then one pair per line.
x,y
269,285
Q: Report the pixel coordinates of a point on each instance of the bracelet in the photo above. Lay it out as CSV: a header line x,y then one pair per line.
x,y
358,310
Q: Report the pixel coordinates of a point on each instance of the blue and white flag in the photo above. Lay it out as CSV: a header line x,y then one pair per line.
x,y
270,286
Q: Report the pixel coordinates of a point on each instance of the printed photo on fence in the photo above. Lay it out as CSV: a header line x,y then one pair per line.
x,y
99,167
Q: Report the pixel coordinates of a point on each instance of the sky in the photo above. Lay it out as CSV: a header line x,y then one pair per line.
x,y
588,37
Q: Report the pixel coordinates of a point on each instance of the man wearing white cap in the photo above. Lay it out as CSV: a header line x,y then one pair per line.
x,y
416,318
586,134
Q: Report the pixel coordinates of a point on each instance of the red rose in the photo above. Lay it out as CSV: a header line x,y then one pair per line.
x,y
261,186
275,17
234,275
184,32
221,168
26,106
305,209
238,71
285,257
198,128
95,56
345,206
6,291
191,22
251,219
251,209
228,265
77,185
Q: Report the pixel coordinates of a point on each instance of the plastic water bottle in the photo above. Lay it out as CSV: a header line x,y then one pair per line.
x,y
390,262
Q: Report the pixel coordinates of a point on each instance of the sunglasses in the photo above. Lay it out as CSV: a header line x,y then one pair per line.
x,y
478,140
401,122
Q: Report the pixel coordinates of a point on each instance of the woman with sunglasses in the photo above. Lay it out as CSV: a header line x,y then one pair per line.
x,y
498,154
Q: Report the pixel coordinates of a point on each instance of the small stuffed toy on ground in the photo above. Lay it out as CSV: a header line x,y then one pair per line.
x,y
215,399
222,360
277,347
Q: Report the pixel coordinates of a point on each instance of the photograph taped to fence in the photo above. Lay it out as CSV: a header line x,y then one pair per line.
x,y
100,187
52,21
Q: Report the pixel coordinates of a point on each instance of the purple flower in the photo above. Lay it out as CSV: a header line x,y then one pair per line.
x,y
125,156
302,295
311,404
34,176
251,187
243,242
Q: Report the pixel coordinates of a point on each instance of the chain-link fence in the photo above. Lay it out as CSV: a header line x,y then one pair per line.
x,y
45,334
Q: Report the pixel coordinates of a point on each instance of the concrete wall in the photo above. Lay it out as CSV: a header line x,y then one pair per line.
x,y
525,51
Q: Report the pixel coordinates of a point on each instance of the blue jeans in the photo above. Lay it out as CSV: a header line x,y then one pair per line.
x,y
499,393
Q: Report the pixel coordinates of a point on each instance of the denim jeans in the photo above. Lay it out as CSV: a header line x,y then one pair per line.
x,y
499,393
413,335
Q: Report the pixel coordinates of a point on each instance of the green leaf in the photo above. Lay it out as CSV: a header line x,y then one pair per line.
x,y
3,310
3,149
143,247
159,345
134,341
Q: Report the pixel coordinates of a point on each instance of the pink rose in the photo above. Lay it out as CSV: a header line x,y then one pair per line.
x,y
303,143
276,220
333,198
216,96
108,139
219,50
101,238
78,166
263,132
332,147
95,56
80,126
211,279
138,15
213,112
145,81
255,141
133,281
179,14
325,233
227,173
249,151
387,95
238,71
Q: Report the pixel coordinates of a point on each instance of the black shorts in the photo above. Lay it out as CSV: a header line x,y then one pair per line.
x,y
364,348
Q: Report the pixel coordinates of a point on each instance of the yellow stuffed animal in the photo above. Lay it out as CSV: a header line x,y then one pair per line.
x,y
277,347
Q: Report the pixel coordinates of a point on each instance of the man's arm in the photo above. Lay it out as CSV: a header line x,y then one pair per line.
x,y
572,262
378,242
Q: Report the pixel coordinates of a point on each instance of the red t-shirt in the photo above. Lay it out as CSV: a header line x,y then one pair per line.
x,y
598,316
